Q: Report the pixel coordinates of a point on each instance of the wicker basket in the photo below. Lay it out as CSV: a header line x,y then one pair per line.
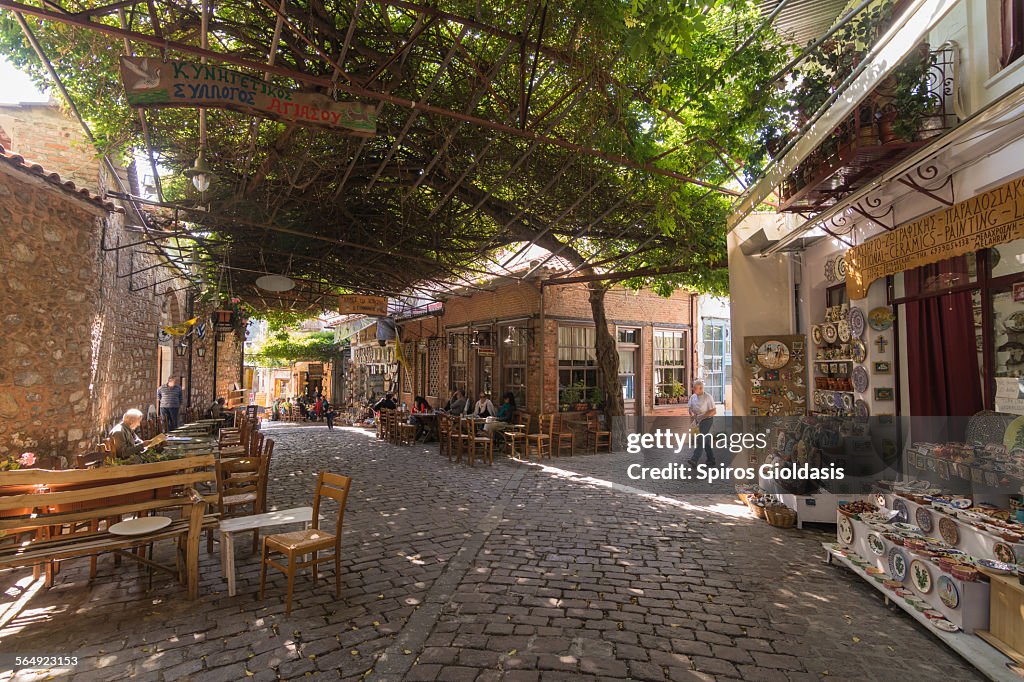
x,y
757,509
780,517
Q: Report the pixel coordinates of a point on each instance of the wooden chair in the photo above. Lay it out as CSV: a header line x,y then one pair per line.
x,y
562,436
596,435
300,543
541,441
90,460
406,432
517,437
479,442
444,429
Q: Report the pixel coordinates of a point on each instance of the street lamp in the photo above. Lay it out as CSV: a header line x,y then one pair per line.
x,y
181,349
201,174
201,351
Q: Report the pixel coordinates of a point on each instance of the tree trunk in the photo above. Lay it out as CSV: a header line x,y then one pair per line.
x,y
607,367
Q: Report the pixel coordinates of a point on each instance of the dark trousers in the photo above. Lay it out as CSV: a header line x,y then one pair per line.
x,y
705,427
170,415
330,420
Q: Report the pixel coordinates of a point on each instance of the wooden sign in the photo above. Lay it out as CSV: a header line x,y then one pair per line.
x,y
356,304
150,82
992,218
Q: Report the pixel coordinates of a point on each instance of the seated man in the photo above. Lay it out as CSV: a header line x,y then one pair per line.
x,y
216,409
126,443
385,403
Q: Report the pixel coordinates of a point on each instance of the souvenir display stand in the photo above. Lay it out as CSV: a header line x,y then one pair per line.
x,y
818,507
777,375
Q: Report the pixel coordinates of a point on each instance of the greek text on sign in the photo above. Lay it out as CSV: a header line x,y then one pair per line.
x,y
362,305
150,82
992,218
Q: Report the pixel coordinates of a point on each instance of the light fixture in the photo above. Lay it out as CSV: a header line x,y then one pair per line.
x,y
475,341
510,339
181,349
275,283
201,351
201,174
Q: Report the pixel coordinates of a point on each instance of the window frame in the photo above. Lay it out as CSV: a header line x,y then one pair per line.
x,y
514,356
577,365
657,364
458,339
723,344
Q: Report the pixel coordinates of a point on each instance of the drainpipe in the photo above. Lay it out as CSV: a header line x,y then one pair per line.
x,y
190,307
216,345
543,363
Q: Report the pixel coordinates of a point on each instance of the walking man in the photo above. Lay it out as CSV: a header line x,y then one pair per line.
x,y
702,410
168,399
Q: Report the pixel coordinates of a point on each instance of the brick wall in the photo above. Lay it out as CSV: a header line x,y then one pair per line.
x,y
44,135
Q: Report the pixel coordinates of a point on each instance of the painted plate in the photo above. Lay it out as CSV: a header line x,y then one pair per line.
x,y
816,334
859,351
1014,436
837,401
860,379
843,329
920,576
858,323
880,318
773,354
840,266
948,593
847,401
830,270
949,531
1003,552
961,503
900,506
898,564
829,332
845,530
998,566
924,519
861,409
945,625
876,544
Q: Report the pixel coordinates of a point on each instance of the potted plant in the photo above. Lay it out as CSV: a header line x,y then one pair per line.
x,y
596,398
571,395
676,391
581,396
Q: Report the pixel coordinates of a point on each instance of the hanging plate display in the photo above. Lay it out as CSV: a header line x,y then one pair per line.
x,y
847,402
948,593
924,519
837,401
876,544
829,333
773,354
920,576
860,379
880,318
859,351
845,530
861,409
900,506
949,531
840,266
816,334
830,270
898,564
843,329
1015,323
1004,552
858,323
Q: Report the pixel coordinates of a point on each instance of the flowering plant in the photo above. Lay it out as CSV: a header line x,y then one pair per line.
x,y
25,460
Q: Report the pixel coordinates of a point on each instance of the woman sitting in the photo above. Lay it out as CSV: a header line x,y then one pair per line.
x,y
506,413
419,406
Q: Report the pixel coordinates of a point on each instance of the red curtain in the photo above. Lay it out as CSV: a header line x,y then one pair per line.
x,y
941,345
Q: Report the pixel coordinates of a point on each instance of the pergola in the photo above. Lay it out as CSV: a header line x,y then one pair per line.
x,y
496,128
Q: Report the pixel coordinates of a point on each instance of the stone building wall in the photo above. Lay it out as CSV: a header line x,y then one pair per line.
x,y
43,134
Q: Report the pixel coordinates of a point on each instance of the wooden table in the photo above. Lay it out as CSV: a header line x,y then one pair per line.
x,y
228,528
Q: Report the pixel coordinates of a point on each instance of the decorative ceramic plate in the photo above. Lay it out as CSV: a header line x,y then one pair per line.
x,y
843,330
859,351
998,566
845,528
924,519
1015,323
858,323
830,270
961,503
948,593
880,318
773,354
847,402
861,409
816,334
898,564
945,625
901,506
141,526
876,544
860,379
837,401
1014,436
840,266
949,531
1003,552
829,332
920,576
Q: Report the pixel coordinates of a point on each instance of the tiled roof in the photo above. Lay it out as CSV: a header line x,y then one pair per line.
x,y
17,161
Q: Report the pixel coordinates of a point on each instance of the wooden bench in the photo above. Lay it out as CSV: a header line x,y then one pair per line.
x,y
58,515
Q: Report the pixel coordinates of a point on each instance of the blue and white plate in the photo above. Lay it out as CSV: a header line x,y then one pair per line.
x,y
898,564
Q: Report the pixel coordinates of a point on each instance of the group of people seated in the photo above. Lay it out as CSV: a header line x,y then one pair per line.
x,y
498,419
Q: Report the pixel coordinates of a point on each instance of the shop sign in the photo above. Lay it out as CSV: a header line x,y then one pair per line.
x,y
150,82
354,304
992,218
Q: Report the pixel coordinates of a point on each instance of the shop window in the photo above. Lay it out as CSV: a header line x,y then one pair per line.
x,y
628,349
1011,18
577,365
670,352
513,362
717,358
458,353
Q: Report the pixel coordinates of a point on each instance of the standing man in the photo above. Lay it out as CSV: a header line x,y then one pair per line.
x,y
702,410
168,399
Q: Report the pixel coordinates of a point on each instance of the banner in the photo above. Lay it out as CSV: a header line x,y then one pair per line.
x,y
355,304
150,82
992,218
180,329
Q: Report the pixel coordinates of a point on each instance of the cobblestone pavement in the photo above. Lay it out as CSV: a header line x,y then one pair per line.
x,y
513,572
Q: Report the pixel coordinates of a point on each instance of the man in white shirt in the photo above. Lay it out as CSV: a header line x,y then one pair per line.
x,y
702,411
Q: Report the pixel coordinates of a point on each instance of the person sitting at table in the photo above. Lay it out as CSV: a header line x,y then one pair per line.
x,y
385,403
506,413
216,409
419,406
457,403
126,444
483,407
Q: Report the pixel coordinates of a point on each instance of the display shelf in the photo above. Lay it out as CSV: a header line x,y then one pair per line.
x,y
975,541
988,660
818,507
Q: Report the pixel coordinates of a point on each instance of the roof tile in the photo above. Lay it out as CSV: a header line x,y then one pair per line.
x,y
18,161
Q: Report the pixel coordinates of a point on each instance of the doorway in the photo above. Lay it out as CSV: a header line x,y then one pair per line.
x,y
628,346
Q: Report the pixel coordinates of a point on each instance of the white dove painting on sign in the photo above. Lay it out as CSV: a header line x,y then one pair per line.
x,y
147,78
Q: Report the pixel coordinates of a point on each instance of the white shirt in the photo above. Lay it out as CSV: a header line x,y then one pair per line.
x,y
701,404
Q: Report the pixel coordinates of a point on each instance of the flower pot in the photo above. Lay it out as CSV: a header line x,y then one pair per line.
x,y
581,407
885,131
223,316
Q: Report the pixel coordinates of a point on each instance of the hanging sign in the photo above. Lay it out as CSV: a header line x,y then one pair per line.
x,y
992,218
355,304
150,82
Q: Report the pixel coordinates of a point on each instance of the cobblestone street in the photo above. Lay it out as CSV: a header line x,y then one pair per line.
x,y
515,571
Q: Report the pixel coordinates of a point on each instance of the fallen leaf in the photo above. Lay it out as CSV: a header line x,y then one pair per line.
x,y
856,639
406,651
